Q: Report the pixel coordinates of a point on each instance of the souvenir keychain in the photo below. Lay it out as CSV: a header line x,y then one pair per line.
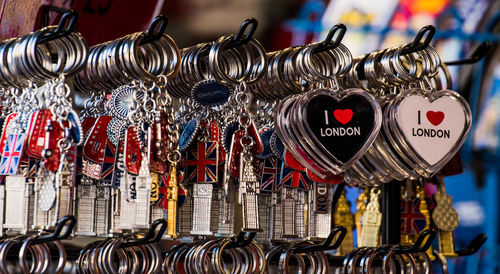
x,y
246,142
344,217
420,123
13,148
446,219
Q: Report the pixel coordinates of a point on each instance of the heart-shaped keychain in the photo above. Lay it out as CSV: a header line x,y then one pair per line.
x,y
341,125
295,144
383,158
429,127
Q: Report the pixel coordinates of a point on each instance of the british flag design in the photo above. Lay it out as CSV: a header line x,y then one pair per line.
x,y
412,220
270,174
294,178
11,154
200,163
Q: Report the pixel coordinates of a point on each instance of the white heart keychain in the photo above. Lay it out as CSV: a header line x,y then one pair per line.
x,y
430,127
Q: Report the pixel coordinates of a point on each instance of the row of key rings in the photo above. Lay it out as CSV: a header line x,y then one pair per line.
x,y
388,68
245,63
207,257
31,59
119,62
32,258
313,262
293,70
361,259
107,256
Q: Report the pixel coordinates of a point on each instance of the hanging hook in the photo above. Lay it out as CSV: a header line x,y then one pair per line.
x,y
416,45
67,25
482,50
69,221
427,235
152,34
150,237
242,240
44,14
326,245
327,43
239,39
473,246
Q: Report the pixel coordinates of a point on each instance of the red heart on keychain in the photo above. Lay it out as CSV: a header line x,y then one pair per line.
x,y
435,117
343,116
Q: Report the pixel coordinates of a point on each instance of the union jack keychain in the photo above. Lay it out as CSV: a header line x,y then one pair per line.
x,y
64,133
12,149
14,133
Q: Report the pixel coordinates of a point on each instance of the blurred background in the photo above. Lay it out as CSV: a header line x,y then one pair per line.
x,y
371,25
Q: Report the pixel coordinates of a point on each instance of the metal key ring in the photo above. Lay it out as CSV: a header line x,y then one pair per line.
x,y
348,258
44,255
188,258
367,267
285,257
98,256
217,262
82,260
427,263
411,260
261,267
169,255
313,268
156,258
95,255
4,249
174,266
254,259
271,253
354,259
202,261
127,260
388,265
364,260
62,257
245,259
148,262
216,65
22,256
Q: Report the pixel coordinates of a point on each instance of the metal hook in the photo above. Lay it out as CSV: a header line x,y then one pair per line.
x,y
151,35
242,240
239,39
473,246
150,237
416,45
67,25
326,245
427,235
482,50
69,221
327,43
